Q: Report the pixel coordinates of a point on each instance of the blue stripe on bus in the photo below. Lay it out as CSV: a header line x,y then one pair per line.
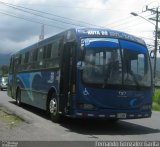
x,y
133,46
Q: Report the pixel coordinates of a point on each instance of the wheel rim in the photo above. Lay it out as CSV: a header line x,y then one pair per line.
x,y
53,106
18,101
18,98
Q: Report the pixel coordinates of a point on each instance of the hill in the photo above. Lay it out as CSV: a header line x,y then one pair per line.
x,y
4,59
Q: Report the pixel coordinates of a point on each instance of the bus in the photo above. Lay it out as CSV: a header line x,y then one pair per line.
x,y
84,73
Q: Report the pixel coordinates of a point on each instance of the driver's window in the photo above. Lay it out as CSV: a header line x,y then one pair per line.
x,y
141,64
137,65
108,57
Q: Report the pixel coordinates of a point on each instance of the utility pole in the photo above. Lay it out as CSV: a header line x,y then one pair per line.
x,y
156,18
156,45
41,36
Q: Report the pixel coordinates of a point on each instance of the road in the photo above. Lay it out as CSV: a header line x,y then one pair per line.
x,y
38,127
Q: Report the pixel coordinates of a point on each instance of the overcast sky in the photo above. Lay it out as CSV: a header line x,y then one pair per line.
x,y
18,33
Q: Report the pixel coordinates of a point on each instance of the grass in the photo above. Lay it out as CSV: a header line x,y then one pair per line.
x,y
9,119
156,100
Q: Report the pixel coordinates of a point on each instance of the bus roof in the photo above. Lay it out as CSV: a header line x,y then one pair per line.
x,y
88,32
91,32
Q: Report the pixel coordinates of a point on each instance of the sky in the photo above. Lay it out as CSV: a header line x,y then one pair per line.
x,y
20,26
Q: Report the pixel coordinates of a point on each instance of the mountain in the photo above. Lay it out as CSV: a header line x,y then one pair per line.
x,y
4,59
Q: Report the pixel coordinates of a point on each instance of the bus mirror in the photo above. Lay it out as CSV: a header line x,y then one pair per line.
x,y
80,65
81,53
152,54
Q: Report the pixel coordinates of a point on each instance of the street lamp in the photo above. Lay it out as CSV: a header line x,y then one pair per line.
x,y
156,34
135,14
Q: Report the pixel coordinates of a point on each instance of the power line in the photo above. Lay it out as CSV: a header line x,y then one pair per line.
x,y
133,30
145,38
68,7
42,12
116,21
46,17
129,21
126,20
130,25
11,15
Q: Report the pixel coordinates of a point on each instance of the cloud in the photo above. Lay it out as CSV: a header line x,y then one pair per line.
x,y
18,33
9,46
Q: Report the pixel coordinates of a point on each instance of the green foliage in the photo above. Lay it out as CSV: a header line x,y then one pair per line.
x,y
9,119
156,106
156,100
4,70
156,97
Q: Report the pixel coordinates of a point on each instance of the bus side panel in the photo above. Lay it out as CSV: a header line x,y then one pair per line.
x,y
35,86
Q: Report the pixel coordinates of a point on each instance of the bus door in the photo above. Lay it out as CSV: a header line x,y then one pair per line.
x,y
13,89
67,76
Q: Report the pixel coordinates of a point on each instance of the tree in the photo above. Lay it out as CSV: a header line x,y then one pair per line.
x,y
4,70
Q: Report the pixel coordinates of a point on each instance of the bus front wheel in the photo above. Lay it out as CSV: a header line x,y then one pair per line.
x,y
18,97
53,109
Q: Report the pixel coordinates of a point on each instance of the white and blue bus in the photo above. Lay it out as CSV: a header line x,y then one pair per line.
x,y
84,73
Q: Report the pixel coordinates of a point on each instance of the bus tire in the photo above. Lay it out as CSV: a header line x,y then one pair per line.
x,y
53,109
18,97
113,121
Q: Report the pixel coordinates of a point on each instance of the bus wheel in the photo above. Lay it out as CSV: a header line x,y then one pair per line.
x,y
53,109
113,121
18,97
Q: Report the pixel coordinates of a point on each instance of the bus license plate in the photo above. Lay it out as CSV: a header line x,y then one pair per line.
x,y
121,115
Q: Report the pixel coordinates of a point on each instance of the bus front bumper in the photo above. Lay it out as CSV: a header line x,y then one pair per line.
x,y
112,115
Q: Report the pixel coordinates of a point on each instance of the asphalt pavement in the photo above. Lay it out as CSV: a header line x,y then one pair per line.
x,y
38,127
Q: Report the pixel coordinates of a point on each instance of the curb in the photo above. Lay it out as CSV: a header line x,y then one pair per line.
x,y
7,109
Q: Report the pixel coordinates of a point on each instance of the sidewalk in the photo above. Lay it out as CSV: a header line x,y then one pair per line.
x,y
10,105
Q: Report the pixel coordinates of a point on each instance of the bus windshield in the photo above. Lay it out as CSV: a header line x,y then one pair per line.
x,y
105,62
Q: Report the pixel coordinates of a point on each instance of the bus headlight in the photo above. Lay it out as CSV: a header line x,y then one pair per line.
x,y
86,106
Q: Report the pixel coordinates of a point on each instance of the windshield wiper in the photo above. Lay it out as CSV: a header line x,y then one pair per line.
x,y
135,79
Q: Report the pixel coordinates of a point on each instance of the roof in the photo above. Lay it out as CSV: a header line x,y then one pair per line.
x,y
89,32
109,33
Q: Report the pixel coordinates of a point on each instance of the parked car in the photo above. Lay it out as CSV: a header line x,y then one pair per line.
x,y
3,83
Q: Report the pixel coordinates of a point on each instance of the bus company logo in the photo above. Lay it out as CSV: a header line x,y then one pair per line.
x,y
122,93
51,79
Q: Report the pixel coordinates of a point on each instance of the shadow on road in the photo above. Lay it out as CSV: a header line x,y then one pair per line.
x,y
96,127
104,127
32,109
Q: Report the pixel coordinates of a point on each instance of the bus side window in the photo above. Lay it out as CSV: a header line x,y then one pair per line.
x,y
40,56
19,62
26,59
23,58
35,55
47,51
44,51
19,59
49,48
55,53
31,56
55,49
11,66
